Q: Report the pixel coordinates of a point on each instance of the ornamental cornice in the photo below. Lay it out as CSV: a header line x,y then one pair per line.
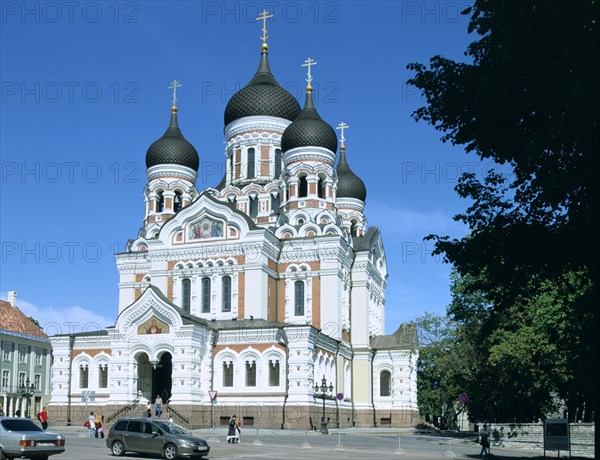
x,y
255,123
171,170
319,156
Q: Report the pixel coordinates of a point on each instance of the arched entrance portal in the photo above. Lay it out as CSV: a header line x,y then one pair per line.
x,y
155,379
161,377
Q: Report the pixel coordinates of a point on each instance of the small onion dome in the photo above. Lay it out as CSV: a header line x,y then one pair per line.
x,y
262,96
172,148
309,129
349,184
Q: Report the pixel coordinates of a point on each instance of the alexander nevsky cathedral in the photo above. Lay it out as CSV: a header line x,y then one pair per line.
x,y
263,296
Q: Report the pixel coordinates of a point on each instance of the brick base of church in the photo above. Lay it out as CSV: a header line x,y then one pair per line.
x,y
254,415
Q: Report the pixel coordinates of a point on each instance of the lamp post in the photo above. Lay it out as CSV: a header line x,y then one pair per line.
x,y
324,389
27,391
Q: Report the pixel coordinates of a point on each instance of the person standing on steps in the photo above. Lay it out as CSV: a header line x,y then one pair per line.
x,y
158,405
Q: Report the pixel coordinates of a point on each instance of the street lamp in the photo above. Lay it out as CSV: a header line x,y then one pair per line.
x,y
27,391
324,389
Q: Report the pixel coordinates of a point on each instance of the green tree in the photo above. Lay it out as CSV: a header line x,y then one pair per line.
x,y
443,369
532,356
526,97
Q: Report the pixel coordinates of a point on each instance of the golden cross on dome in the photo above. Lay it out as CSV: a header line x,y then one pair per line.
x,y
309,62
341,127
174,87
263,17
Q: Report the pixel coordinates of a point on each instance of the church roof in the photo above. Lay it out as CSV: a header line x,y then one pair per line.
x,y
14,320
231,206
172,148
365,242
309,130
262,96
405,338
349,184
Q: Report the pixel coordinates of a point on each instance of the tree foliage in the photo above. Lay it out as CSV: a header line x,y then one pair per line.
x,y
526,97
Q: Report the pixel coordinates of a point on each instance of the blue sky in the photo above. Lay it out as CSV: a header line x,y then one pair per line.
x,y
84,94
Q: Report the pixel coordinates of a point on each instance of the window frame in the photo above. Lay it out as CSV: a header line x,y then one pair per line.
x,y
226,289
205,294
383,382
299,303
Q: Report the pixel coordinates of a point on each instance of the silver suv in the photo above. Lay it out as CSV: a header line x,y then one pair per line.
x,y
154,436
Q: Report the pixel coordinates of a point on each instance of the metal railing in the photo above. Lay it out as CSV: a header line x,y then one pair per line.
x,y
125,410
177,417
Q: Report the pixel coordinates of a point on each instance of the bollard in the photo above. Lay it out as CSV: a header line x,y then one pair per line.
x,y
339,446
305,444
399,450
449,452
257,442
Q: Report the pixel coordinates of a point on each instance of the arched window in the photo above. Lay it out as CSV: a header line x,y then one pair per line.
x,y
83,376
299,298
251,373
277,163
253,204
275,203
178,201
103,376
274,373
186,288
303,187
321,188
227,373
385,383
206,295
354,228
226,294
251,160
160,201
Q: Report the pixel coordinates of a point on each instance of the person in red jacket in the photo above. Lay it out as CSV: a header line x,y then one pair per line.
x,y
43,418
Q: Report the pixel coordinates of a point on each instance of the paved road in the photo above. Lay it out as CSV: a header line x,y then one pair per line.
x,y
289,445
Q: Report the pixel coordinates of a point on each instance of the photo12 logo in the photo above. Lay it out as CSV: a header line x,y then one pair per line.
x,y
69,12
71,92
323,12
71,172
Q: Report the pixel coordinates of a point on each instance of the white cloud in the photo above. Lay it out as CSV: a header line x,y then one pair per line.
x,y
64,320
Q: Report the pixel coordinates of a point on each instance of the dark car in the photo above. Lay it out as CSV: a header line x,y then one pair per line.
x,y
21,438
143,435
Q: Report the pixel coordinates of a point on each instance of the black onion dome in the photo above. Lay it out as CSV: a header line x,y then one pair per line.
x,y
349,184
172,148
262,96
309,130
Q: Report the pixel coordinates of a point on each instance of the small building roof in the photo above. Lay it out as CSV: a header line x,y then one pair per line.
x,y
405,338
14,320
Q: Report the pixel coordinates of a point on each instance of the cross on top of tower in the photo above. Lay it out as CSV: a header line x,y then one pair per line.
x,y
308,63
174,85
341,127
263,17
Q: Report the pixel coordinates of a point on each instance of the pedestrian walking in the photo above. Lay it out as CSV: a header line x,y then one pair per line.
x,y
148,409
43,418
484,440
89,424
233,432
158,405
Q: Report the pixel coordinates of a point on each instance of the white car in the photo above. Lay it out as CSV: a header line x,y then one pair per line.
x,y
21,438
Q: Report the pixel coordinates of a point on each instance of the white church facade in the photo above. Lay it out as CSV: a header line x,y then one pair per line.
x,y
259,288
